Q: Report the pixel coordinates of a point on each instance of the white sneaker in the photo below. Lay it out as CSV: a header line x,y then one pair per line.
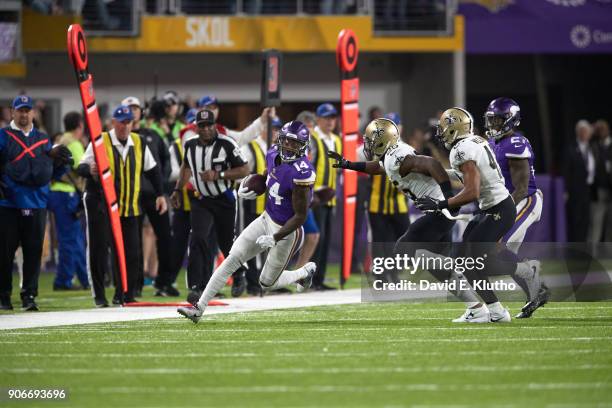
x,y
303,284
478,315
193,313
499,316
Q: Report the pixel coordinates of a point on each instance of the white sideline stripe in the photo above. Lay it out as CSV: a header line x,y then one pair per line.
x,y
357,388
306,370
107,315
280,341
298,329
306,354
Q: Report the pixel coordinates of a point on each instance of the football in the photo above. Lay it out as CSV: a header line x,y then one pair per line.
x,y
256,183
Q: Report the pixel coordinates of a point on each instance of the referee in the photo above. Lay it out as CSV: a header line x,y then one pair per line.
x,y
211,163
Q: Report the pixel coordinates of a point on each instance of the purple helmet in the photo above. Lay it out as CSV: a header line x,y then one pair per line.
x,y
502,116
295,131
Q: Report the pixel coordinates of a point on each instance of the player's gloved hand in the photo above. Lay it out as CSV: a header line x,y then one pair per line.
x,y
430,204
341,162
244,192
61,155
266,241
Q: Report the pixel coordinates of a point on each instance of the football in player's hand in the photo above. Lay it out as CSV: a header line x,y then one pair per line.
x,y
325,194
256,183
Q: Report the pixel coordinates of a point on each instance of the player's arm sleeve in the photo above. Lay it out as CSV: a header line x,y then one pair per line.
x,y
517,149
247,134
304,178
464,153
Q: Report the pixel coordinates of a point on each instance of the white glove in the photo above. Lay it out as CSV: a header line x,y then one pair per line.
x,y
244,192
266,241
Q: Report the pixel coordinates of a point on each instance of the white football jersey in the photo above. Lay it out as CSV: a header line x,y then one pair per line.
x,y
412,184
492,186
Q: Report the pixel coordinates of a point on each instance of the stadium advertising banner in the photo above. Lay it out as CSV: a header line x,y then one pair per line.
x,y
537,26
194,34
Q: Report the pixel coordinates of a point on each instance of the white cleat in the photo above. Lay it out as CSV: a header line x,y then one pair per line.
x,y
501,316
303,284
193,313
478,315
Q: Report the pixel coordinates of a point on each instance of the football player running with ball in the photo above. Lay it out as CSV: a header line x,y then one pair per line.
x,y
290,180
473,162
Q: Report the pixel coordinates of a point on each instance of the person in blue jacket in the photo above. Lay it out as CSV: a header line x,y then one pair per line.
x,y
28,162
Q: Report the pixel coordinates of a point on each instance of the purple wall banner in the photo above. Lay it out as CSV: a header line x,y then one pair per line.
x,y
537,26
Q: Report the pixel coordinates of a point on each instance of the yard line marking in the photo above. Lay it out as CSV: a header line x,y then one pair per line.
x,y
327,341
357,388
306,370
307,354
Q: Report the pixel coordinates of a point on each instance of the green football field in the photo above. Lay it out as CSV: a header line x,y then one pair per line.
x,y
363,355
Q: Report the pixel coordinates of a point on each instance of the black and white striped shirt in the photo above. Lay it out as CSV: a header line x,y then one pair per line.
x,y
222,154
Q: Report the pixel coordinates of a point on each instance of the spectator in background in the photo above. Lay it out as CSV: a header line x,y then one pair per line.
x,y
579,175
323,140
166,124
65,201
28,162
602,194
311,230
373,113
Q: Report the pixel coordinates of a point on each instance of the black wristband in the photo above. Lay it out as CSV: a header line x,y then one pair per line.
x,y
446,188
443,204
357,166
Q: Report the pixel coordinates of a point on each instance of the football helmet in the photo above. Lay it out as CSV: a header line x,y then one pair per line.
x,y
502,116
380,135
455,123
298,133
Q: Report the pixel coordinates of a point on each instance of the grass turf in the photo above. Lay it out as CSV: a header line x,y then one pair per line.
x,y
364,355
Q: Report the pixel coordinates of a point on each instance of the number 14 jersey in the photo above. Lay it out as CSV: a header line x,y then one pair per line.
x,y
282,177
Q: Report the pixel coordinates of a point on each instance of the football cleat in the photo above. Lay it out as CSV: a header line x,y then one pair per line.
x,y
501,316
478,315
540,300
193,313
306,283
533,278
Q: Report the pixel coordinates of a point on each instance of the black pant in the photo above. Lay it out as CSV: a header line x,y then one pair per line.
x,y
208,213
388,228
101,246
181,226
252,272
481,241
322,215
18,228
161,227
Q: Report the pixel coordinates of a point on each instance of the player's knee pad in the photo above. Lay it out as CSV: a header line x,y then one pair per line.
x,y
233,262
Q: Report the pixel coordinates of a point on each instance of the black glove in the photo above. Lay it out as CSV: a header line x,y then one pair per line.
x,y
61,156
341,162
429,204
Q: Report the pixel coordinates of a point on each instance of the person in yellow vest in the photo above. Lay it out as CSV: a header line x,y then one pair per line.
x,y
248,210
129,160
66,205
165,113
323,141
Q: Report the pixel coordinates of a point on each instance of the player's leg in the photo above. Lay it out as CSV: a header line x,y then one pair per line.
x,y
433,229
274,276
243,249
482,242
311,239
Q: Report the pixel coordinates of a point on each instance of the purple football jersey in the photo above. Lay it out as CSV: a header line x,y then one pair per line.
x,y
282,176
515,146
